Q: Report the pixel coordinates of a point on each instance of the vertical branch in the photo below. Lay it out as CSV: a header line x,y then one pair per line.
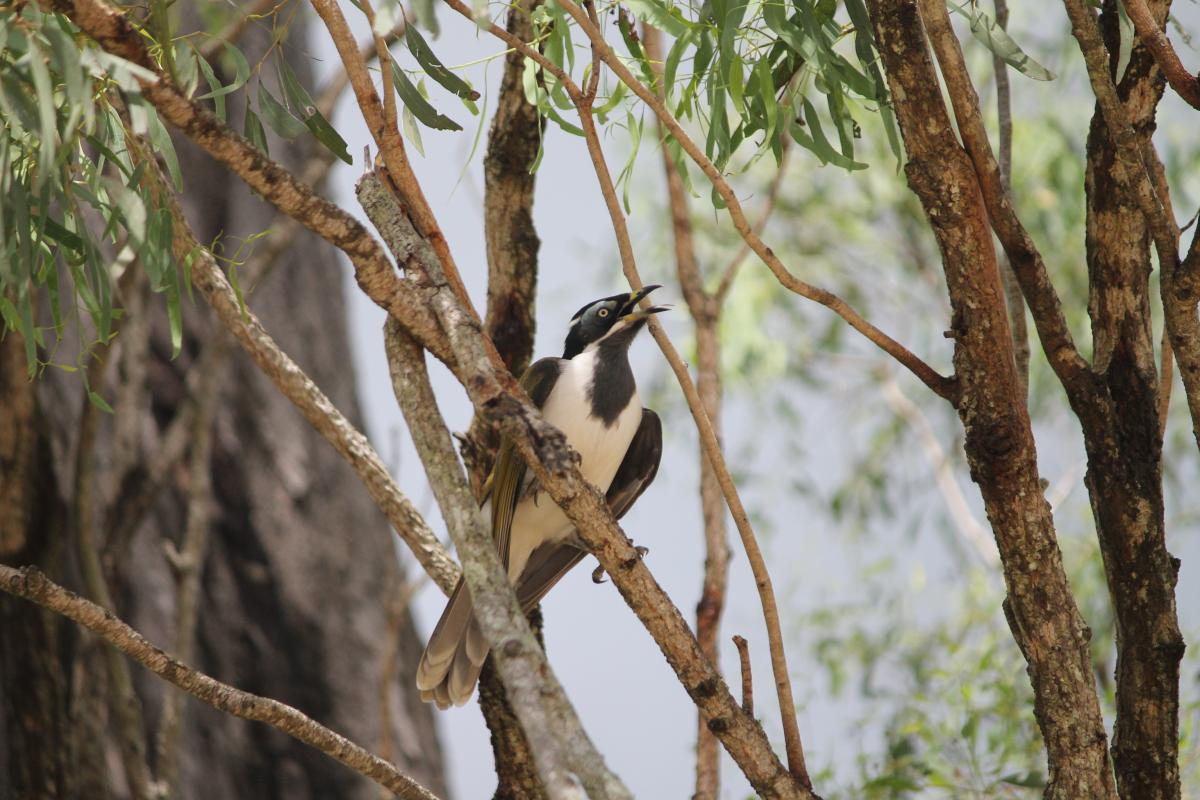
x,y
1008,278
705,311
514,140
187,564
1124,441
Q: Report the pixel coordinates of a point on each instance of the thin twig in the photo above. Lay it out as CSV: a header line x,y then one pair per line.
x,y
1165,375
1008,278
764,216
939,384
1185,84
31,584
743,648
711,444
387,138
705,311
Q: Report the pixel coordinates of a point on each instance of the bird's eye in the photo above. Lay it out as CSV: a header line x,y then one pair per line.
x,y
602,312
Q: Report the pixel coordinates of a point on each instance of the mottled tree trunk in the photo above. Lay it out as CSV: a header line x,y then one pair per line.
x,y
1124,444
300,570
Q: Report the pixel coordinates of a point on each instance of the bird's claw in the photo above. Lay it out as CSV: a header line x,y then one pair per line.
x,y
598,572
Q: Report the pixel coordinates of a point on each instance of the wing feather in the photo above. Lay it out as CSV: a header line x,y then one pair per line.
x,y
508,475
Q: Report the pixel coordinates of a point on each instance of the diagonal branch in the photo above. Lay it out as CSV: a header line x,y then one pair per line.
x,y
942,386
496,394
31,584
294,384
560,746
1185,84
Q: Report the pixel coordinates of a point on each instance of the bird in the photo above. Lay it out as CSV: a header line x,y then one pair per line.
x,y
590,395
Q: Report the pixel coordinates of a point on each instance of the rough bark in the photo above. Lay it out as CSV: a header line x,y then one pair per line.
x,y
1124,442
292,593
999,443
512,244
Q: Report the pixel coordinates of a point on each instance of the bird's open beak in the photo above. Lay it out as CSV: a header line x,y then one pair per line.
x,y
631,309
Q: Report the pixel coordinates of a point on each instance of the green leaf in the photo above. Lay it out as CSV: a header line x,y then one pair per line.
x,y
328,136
300,100
421,109
162,143
278,117
667,20
411,131
47,116
132,210
423,9
213,83
994,38
241,74
99,402
252,129
433,67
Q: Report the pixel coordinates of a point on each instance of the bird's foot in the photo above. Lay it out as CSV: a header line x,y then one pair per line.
x,y
598,572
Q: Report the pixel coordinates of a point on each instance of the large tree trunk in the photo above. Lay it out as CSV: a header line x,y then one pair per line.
x,y
298,586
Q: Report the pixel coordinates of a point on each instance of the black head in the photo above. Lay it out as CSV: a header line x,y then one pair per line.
x,y
609,318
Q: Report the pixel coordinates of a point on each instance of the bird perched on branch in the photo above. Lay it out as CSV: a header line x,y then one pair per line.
x,y
590,395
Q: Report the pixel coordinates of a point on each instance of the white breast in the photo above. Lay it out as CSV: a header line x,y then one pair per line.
x,y
600,447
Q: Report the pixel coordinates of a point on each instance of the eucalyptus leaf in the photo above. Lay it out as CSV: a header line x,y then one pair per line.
x,y
434,68
421,109
996,39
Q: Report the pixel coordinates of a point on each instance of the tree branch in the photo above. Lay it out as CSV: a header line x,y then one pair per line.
x,y
1152,35
743,648
999,444
374,273
382,124
31,584
1008,278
